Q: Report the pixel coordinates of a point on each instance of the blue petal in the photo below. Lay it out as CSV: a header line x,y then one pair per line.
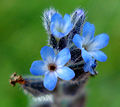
x,y
59,23
47,52
99,42
55,32
65,73
88,31
67,25
50,80
63,57
67,28
56,21
88,67
59,34
98,55
77,40
37,68
56,17
86,56
67,18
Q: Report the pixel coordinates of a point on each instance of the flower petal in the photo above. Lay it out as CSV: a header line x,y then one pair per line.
x,y
88,31
60,27
63,57
77,40
86,56
98,55
88,67
65,73
67,18
50,80
47,52
56,17
56,22
37,68
67,25
55,32
99,42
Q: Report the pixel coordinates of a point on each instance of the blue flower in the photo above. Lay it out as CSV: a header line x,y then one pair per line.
x,y
89,45
52,67
60,27
89,66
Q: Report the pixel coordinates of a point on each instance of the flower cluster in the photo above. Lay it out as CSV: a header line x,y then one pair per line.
x,y
72,49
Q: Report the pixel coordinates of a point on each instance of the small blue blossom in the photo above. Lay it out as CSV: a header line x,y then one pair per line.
x,y
89,66
53,66
89,45
60,27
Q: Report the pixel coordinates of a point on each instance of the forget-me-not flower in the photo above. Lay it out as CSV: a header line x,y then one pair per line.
x,y
90,45
53,66
59,26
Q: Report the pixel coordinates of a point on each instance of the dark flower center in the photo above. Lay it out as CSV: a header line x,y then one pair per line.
x,y
85,47
52,67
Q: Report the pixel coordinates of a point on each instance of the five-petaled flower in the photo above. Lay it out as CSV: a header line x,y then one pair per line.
x,y
59,26
89,45
53,66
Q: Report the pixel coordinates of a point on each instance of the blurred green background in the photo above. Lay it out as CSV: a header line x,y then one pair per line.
x,y
22,35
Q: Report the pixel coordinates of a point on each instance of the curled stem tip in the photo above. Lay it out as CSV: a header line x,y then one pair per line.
x,y
14,78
